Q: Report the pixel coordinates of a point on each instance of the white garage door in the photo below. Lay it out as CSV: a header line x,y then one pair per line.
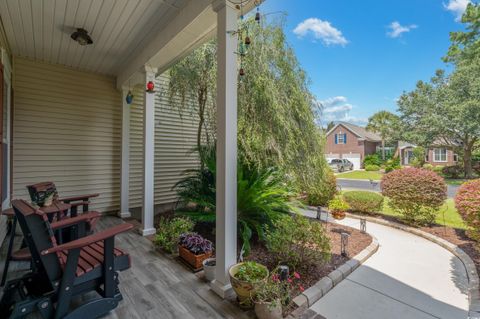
x,y
354,158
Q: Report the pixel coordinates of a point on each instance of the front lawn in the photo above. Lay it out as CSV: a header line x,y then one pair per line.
x,y
448,215
376,176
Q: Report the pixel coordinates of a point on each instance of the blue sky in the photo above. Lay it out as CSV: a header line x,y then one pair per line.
x,y
361,55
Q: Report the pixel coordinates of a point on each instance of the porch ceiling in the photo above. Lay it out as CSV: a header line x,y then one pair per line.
x,y
41,29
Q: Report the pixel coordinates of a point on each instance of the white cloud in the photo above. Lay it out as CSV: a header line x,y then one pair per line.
x,y
321,30
457,7
396,29
337,109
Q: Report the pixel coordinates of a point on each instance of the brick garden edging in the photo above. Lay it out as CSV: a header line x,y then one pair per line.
x,y
473,280
324,285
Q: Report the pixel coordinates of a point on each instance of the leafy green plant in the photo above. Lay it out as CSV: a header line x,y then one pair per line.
x,y
298,242
363,201
428,166
262,195
453,171
392,164
251,271
273,290
372,168
372,159
320,194
415,193
169,231
418,156
338,205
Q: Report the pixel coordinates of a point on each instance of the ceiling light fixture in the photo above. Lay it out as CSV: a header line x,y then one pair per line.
x,y
82,37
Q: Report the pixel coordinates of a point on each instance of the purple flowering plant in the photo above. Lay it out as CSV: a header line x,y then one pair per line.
x,y
195,243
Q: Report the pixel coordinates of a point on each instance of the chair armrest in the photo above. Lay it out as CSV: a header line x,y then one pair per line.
x,y
78,198
85,241
76,204
75,220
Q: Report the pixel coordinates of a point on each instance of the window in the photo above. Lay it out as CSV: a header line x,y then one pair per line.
x,y
440,155
455,157
340,138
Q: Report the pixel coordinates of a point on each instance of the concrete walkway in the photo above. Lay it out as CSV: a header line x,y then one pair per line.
x,y
408,277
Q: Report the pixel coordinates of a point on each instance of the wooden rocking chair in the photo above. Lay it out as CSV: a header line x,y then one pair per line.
x,y
65,271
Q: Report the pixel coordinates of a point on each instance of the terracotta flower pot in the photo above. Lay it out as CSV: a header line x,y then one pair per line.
x,y
193,260
268,310
338,215
244,289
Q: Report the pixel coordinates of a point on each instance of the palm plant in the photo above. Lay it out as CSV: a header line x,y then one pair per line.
x,y
261,195
385,124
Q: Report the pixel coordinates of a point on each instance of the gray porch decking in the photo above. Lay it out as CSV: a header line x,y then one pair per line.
x,y
156,286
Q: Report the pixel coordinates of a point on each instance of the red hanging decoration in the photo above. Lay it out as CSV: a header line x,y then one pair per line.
x,y
150,87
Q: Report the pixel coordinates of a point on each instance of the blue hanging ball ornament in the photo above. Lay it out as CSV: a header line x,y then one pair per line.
x,y
129,97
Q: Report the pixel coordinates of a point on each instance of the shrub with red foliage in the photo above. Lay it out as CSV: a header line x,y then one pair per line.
x,y
467,202
415,193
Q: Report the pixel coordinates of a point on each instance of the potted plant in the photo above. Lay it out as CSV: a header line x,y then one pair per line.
x,y
245,277
209,268
338,207
194,249
273,294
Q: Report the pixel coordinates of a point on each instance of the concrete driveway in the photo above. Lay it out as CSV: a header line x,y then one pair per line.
x,y
408,277
361,184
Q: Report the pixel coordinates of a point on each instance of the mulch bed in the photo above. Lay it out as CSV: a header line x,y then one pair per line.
x,y
453,235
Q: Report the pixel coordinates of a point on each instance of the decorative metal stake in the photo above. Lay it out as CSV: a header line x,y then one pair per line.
x,y
283,271
319,213
344,244
363,225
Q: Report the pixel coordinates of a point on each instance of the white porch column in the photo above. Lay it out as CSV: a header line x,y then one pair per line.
x,y
125,169
226,201
148,155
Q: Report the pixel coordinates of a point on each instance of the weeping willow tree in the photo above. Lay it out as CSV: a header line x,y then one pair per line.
x,y
276,118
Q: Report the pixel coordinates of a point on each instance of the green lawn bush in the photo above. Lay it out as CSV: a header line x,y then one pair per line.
x,y
438,169
392,164
372,159
467,202
169,231
364,201
298,242
417,194
453,171
372,168
428,166
320,195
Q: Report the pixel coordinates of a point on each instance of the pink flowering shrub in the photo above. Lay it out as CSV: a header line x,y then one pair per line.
x,y
415,193
467,202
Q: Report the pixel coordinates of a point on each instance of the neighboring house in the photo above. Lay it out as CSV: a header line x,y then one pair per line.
x,y
439,154
352,142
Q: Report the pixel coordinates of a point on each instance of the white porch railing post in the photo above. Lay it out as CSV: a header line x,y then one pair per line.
x,y
125,165
226,201
148,155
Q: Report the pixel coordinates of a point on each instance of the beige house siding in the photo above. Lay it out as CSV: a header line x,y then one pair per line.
x,y
67,129
175,137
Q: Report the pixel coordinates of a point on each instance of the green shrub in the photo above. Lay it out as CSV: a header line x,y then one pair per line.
x,y
169,231
428,166
372,168
415,193
364,201
418,156
251,271
467,202
261,194
338,205
298,242
321,194
453,171
392,164
438,169
372,159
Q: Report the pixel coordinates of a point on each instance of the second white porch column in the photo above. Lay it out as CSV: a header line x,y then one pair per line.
x,y
226,201
148,155
125,166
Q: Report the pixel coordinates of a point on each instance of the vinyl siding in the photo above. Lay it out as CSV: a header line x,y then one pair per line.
x,y
175,137
67,129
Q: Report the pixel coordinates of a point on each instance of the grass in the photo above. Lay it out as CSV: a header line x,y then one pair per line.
x,y
457,182
376,176
448,211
